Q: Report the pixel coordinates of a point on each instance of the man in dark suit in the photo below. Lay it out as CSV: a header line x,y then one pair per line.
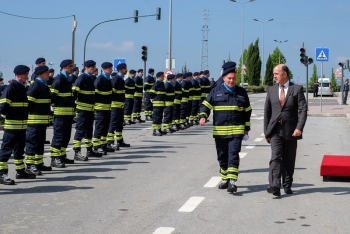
x,y
284,120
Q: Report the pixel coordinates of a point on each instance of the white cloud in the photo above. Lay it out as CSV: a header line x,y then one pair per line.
x,y
123,47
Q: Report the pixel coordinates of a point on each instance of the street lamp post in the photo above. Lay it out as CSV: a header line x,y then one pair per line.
x,y
73,37
279,56
263,59
242,62
170,32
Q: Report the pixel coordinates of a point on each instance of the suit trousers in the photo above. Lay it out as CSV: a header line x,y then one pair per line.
x,y
35,144
12,141
137,107
83,129
129,104
282,163
148,104
62,128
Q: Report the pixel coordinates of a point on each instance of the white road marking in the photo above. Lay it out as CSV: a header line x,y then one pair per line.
x,y
191,204
213,182
148,128
257,118
254,115
261,100
252,103
250,146
242,154
164,230
258,139
262,134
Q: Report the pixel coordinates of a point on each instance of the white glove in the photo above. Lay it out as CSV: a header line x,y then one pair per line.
x,y
4,116
76,102
245,137
152,100
51,107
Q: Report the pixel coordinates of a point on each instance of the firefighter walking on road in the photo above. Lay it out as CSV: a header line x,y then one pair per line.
x,y
195,99
184,102
177,102
169,103
14,108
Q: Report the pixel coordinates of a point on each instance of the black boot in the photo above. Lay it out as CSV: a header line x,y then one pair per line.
x,y
132,122
149,118
42,167
121,143
182,127
223,184
79,156
191,123
157,132
174,128
163,132
108,149
127,122
5,179
67,160
232,188
137,120
113,146
32,169
93,153
57,162
24,175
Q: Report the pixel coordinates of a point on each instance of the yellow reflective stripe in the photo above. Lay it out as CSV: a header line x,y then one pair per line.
x,y
5,100
203,113
35,117
19,104
76,88
228,130
158,103
138,86
248,108
170,94
129,96
138,94
38,121
52,90
90,92
102,106
118,91
129,87
10,121
177,101
157,92
32,99
65,94
64,111
85,106
185,90
178,92
227,108
197,98
207,104
247,124
116,104
103,92
148,90
15,127
169,103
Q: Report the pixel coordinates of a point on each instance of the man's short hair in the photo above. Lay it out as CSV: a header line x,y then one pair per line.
x,y
285,69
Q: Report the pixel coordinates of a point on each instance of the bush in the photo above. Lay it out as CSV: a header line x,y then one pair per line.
x,y
255,89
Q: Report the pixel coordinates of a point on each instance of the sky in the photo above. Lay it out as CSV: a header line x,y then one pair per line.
x,y
316,23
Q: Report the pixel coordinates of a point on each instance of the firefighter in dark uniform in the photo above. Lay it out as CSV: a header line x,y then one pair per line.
x,y
169,103
118,101
103,101
136,113
148,83
189,78
129,97
232,111
177,102
51,75
196,99
158,101
220,81
39,62
75,74
14,108
39,108
84,90
184,102
63,104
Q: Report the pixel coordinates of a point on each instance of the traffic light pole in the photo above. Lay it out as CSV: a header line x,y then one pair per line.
x,y
307,84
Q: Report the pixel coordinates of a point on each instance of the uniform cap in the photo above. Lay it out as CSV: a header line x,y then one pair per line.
x,y
170,76
189,74
51,70
207,71
159,74
228,68
66,62
196,74
150,70
41,70
21,69
89,63
179,75
201,73
106,65
140,70
121,66
40,60
229,64
132,71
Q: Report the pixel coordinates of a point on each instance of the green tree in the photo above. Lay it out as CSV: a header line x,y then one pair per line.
x,y
184,69
334,82
268,80
278,58
239,69
253,64
314,77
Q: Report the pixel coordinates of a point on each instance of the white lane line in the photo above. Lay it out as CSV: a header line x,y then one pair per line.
x,y
252,102
242,154
164,230
258,139
262,134
191,204
148,128
260,100
254,115
250,146
213,182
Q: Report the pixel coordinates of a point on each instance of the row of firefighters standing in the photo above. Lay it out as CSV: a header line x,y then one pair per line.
x,y
105,101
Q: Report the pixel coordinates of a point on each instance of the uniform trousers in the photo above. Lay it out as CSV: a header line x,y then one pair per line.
x,y
189,109
228,156
194,110
168,117
137,107
183,112
12,141
83,129
148,105
282,163
115,129
157,117
102,118
129,104
62,128
176,113
35,141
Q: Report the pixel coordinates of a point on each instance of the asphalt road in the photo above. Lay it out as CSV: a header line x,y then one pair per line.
x,y
169,185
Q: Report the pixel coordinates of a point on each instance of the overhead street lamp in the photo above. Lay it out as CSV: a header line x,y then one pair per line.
x,y
242,62
51,63
263,48
279,56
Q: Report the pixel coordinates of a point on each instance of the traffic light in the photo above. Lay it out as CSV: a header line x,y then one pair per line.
x,y
136,16
302,55
144,53
310,60
158,13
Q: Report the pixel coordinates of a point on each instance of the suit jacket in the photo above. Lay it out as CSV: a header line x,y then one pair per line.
x,y
293,113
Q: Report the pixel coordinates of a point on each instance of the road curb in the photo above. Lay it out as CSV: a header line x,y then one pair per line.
x,y
329,115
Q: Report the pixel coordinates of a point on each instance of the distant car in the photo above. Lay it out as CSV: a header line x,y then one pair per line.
x,y
325,87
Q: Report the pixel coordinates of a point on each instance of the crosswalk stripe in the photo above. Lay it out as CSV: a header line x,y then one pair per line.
x,y
191,204
164,230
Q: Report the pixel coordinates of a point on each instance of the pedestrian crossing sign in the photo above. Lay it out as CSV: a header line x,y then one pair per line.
x,y
322,54
118,61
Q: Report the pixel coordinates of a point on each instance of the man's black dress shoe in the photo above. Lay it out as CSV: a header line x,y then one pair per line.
x,y
275,191
288,190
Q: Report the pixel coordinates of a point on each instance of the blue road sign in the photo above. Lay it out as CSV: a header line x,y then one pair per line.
x,y
322,54
118,61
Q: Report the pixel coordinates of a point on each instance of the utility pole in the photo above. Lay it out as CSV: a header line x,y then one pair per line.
x,y
205,34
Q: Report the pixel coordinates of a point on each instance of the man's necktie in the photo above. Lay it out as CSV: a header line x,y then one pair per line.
x,y
282,97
